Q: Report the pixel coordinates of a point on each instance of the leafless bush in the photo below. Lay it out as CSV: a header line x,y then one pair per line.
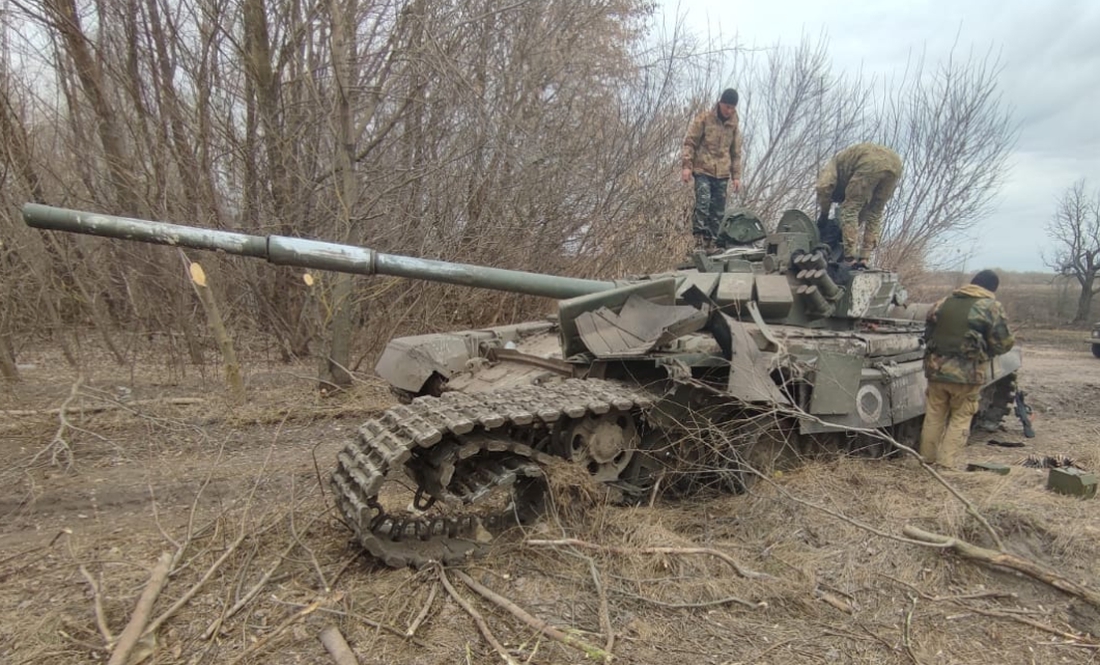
x,y
954,133
799,113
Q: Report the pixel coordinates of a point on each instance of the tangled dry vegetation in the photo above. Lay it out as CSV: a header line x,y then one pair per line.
x,y
187,531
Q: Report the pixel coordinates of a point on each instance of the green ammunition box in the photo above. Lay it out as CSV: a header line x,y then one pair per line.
x,y
1074,482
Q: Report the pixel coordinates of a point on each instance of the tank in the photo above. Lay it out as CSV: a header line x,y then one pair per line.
x,y
739,362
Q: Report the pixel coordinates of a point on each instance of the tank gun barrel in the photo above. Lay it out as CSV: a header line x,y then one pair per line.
x,y
304,253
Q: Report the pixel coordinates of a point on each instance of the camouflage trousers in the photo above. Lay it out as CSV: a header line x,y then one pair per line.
x,y
949,410
710,205
865,198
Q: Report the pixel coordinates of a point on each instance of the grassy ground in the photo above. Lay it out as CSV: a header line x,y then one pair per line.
x,y
90,501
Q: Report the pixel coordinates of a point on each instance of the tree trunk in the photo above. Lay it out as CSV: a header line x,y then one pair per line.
x,y
82,278
1084,301
183,150
221,336
7,360
101,320
60,331
77,44
14,134
269,129
190,336
335,363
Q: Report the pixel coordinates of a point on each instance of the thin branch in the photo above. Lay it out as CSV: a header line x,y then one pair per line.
x,y
590,651
423,614
728,600
971,509
58,444
186,597
907,632
262,643
65,408
256,588
953,599
478,619
97,599
296,539
1075,638
733,563
605,614
360,618
835,601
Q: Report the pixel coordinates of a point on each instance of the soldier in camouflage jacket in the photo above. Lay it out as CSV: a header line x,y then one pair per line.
x,y
862,179
712,156
963,331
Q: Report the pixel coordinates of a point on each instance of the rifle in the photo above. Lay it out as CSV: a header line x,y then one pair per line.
x,y
1023,412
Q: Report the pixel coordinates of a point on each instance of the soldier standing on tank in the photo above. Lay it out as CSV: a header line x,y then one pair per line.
x,y
861,178
963,331
712,156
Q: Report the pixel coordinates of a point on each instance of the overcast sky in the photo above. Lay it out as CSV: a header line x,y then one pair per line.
x,y
1051,78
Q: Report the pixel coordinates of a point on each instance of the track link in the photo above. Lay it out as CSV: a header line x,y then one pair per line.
x,y
457,449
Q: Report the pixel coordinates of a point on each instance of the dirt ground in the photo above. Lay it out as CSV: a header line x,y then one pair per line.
x,y
149,459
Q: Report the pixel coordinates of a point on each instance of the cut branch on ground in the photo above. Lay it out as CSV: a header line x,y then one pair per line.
x,y
997,559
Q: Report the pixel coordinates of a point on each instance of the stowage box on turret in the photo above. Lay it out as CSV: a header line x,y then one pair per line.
x,y
707,375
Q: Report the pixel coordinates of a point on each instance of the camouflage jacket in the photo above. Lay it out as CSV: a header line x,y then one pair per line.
x,y
713,147
868,158
987,335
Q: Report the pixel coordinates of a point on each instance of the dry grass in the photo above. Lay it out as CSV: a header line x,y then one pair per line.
x,y
811,554
807,554
242,488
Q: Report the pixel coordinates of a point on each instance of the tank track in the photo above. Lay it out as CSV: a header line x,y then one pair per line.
x,y
456,449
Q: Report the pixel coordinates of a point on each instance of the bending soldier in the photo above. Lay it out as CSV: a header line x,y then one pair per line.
x,y
861,178
712,156
963,331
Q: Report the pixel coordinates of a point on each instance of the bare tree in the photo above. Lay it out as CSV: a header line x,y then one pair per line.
x,y
954,134
63,17
1075,228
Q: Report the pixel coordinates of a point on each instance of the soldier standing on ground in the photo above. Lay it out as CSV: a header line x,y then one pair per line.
x,y
861,178
963,331
712,156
